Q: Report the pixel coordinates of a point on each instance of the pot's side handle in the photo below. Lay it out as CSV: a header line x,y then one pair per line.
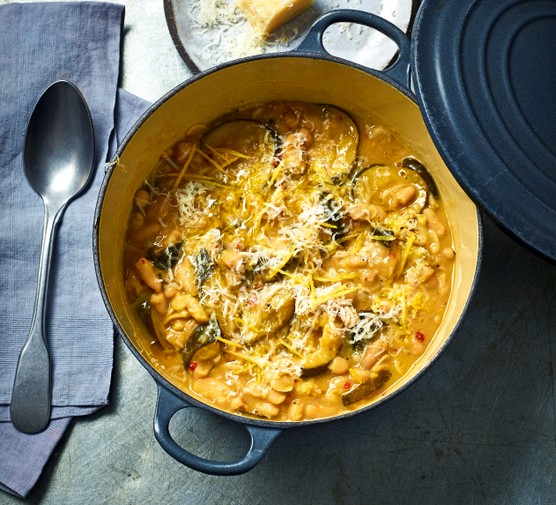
x,y
168,404
398,71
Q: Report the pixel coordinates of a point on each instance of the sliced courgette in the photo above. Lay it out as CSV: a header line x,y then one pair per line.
x,y
418,167
203,335
250,138
377,184
314,371
335,144
383,235
274,308
317,362
363,183
361,391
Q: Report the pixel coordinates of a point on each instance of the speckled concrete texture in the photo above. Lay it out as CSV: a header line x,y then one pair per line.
x,y
478,428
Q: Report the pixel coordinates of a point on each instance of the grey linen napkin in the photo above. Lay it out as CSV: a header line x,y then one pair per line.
x,y
39,44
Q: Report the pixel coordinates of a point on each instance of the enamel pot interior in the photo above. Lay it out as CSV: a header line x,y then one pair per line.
x,y
282,78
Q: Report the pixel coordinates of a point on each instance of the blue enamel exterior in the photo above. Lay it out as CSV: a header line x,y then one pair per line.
x,y
485,79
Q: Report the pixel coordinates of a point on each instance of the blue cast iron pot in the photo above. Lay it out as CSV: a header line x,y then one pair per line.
x,y
307,74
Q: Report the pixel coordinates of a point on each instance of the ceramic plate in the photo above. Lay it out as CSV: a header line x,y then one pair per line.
x,y
210,32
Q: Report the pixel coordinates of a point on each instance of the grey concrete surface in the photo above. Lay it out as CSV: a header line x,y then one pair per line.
x,y
478,428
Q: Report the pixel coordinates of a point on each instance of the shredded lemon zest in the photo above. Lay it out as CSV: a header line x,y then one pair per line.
x,y
385,238
290,348
214,151
170,161
275,173
185,167
359,243
334,294
249,359
282,263
211,161
347,237
227,160
254,231
201,178
406,251
294,277
208,180
297,278
229,342
403,303
313,291
337,278
331,247
227,150
419,300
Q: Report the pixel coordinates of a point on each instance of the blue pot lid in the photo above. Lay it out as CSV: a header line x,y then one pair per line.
x,y
484,73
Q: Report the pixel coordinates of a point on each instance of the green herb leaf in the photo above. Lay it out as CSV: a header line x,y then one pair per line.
x,y
203,266
167,258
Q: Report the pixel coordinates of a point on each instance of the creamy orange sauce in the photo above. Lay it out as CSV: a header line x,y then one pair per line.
x,y
290,262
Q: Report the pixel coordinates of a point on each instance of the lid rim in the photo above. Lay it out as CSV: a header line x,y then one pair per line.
x,y
492,148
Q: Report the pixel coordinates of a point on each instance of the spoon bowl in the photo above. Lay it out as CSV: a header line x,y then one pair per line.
x,y
58,162
59,147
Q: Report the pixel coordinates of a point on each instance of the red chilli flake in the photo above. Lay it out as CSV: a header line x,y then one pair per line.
x,y
347,385
192,366
420,336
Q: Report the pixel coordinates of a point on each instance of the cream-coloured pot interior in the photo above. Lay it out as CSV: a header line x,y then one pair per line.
x,y
278,78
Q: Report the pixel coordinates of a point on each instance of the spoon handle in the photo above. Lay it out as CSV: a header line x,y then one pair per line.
x,y
31,396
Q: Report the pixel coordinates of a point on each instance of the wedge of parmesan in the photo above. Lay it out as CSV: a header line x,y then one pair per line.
x,y
268,15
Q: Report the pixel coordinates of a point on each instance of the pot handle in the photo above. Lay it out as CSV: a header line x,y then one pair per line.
x,y
168,404
398,71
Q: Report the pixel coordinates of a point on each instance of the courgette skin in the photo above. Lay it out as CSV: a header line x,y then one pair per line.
x,y
203,335
361,391
417,166
342,129
314,371
383,235
355,177
250,131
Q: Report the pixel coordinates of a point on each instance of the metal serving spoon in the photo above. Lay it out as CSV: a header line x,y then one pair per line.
x,y
58,162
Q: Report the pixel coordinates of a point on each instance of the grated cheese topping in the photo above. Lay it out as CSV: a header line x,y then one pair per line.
x,y
271,250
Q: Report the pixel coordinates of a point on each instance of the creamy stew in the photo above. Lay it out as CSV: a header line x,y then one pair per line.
x,y
290,262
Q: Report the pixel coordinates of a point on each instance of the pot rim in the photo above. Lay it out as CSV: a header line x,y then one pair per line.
x,y
305,54
157,376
